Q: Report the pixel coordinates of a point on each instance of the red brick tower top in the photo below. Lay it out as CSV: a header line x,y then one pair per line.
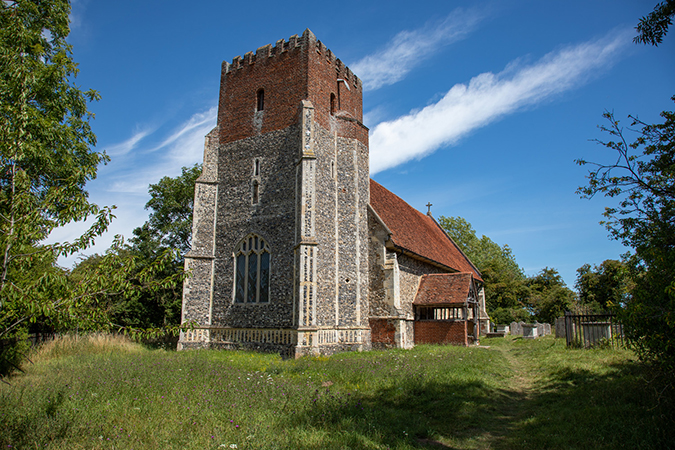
x,y
263,91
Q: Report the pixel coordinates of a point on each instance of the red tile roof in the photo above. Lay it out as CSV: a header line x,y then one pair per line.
x,y
417,233
443,289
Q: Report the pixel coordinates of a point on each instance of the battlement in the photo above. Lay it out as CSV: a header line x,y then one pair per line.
x,y
303,43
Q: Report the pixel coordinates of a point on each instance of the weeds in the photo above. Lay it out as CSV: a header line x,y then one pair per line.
x,y
106,393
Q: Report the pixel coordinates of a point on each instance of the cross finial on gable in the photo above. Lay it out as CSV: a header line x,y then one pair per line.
x,y
429,205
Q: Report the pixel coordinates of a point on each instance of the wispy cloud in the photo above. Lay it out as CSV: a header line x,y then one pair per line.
x,y
77,8
407,48
183,147
487,98
194,124
125,147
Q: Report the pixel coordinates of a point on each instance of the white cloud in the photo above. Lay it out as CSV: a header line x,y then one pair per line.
x,y
183,147
487,98
125,147
77,10
186,131
407,48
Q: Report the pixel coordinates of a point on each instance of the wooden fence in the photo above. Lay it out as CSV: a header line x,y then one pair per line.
x,y
589,330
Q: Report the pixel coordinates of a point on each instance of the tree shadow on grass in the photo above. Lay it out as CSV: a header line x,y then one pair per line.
x,y
407,415
578,408
574,409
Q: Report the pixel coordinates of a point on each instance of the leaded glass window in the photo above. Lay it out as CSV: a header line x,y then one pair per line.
x,y
252,271
440,313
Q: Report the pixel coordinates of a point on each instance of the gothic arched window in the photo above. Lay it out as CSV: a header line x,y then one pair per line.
x,y
252,271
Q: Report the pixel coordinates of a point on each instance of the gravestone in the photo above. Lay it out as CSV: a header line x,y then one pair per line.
x,y
540,329
530,331
516,328
560,327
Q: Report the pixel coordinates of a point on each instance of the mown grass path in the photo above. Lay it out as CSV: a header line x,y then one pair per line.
x,y
574,398
516,394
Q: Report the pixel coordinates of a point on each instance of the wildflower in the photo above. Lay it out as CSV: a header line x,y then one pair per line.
x,y
233,445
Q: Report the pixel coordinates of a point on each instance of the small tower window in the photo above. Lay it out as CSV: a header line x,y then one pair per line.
x,y
260,103
332,104
256,167
255,182
255,194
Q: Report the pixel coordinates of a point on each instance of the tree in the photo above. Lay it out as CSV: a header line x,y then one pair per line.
x,y
505,287
45,146
47,157
171,202
46,137
642,177
604,287
168,228
151,304
654,26
549,296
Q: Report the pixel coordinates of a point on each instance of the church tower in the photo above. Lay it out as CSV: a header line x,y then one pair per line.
x,y
279,258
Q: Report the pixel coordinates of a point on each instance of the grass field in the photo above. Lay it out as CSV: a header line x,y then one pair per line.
x,y
106,393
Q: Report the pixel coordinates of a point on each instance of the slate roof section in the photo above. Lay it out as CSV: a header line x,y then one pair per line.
x,y
417,233
443,289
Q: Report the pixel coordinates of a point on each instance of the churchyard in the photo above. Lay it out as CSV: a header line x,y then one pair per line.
x,y
509,393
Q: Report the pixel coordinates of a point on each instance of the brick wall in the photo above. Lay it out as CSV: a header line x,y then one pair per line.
x,y
441,332
383,333
301,68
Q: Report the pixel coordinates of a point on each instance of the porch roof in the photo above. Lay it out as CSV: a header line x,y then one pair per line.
x,y
444,289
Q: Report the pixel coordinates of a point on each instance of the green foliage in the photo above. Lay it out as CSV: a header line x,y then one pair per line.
x,y
505,288
168,229
13,350
510,296
47,157
164,237
501,315
643,179
481,251
171,202
604,287
654,26
549,296
144,293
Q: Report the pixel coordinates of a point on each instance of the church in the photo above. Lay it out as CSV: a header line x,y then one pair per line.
x,y
295,249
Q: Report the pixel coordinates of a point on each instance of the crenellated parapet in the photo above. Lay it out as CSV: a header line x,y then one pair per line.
x,y
263,91
306,41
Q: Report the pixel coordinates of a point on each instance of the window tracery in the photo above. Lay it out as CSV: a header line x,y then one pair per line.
x,y
252,259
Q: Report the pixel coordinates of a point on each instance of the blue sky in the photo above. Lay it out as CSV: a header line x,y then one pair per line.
x,y
479,107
